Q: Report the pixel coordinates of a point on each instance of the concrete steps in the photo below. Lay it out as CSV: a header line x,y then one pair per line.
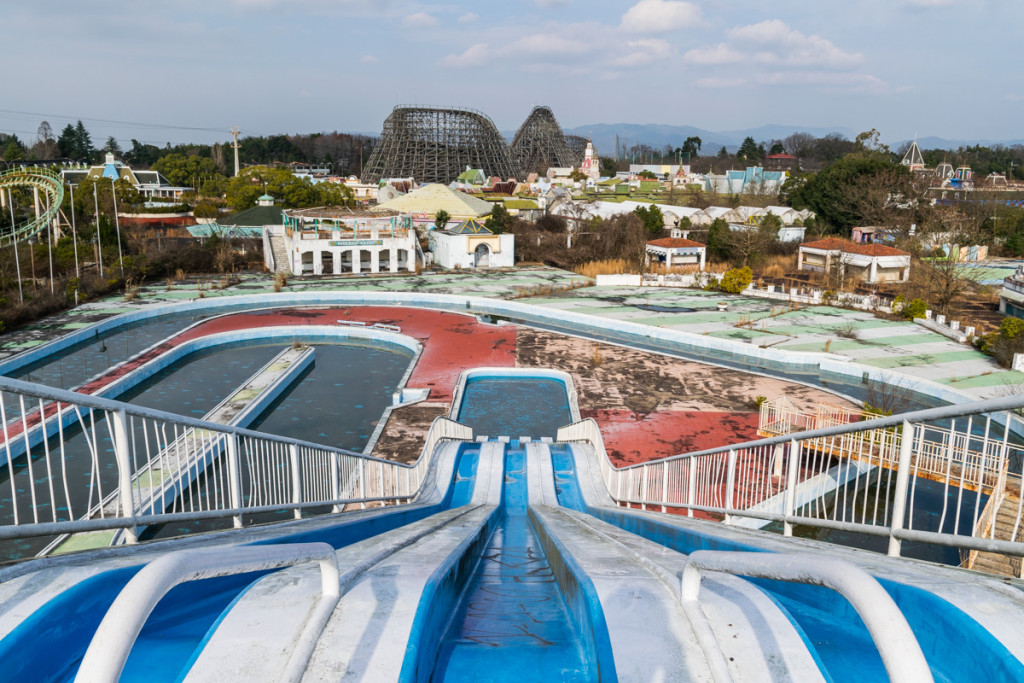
x,y
1006,519
280,253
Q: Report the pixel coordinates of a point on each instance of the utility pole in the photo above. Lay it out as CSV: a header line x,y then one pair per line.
x,y
234,134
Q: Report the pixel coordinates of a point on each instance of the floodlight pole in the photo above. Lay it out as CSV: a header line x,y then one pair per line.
x,y
74,231
117,226
99,240
14,243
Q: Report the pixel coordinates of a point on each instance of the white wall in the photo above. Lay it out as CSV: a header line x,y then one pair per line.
x,y
452,251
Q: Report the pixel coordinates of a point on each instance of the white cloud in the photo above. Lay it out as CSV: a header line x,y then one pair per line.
x,y
552,3
368,59
927,4
473,56
659,16
468,17
419,20
786,46
715,54
720,82
643,51
548,44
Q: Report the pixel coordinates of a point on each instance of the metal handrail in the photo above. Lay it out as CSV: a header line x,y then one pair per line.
x,y
110,646
892,635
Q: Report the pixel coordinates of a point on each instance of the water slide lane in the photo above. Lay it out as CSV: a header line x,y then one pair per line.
x,y
512,617
829,621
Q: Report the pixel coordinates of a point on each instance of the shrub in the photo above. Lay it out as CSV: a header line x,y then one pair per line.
x,y
736,280
205,210
914,309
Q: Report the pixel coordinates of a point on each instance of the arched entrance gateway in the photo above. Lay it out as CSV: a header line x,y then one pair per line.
x,y
482,256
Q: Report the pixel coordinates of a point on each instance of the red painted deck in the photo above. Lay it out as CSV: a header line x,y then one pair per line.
x,y
631,438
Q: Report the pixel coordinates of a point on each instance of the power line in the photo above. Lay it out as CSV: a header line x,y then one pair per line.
x,y
110,122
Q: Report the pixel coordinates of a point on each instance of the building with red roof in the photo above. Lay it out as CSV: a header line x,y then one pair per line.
x,y
872,263
676,251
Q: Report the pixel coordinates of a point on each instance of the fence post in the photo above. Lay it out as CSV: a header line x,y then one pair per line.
x,y
691,485
123,460
336,480
293,457
791,477
899,506
362,483
234,478
730,484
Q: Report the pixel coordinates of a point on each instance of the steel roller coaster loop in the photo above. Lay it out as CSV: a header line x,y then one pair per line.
x,y
51,190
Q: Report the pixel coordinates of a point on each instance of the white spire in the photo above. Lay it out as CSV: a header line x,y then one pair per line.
x,y
913,158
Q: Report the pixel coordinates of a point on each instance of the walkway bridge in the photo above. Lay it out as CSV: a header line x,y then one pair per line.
x,y
486,559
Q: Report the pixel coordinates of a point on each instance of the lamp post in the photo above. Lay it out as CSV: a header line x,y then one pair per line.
x,y
117,226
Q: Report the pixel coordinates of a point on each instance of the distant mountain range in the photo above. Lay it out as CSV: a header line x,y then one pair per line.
x,y
659,135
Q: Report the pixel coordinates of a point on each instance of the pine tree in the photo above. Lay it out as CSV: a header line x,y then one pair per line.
x,y
67,143
83,141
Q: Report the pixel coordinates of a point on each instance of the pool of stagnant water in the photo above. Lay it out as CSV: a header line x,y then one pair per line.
x,y
337,402
514,406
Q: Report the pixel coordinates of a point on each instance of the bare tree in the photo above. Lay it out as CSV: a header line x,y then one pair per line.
x,y
799,144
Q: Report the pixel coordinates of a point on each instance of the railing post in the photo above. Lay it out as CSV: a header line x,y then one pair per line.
x,y
234,478
691,486
899,506
643,488
791,477
362,484
336,480
123,459
293,457
730,484
664,486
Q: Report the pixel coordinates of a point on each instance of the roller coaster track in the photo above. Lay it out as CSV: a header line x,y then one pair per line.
x,y
51,190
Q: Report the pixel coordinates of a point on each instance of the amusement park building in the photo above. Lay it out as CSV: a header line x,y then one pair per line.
x,y
471,245
149,183
336,241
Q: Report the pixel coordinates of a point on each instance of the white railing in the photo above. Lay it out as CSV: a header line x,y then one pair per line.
x,y
110,446
939,452
110,646
921,476
896,643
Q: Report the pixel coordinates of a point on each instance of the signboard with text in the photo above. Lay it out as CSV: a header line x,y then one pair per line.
x,y
356,243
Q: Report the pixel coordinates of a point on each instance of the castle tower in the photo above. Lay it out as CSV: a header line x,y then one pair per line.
x,y
591,164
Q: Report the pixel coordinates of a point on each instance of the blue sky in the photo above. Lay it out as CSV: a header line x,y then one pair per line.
x,y
927,67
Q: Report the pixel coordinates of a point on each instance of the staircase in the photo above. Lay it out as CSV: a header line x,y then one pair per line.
x,y
280,254
1006,519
